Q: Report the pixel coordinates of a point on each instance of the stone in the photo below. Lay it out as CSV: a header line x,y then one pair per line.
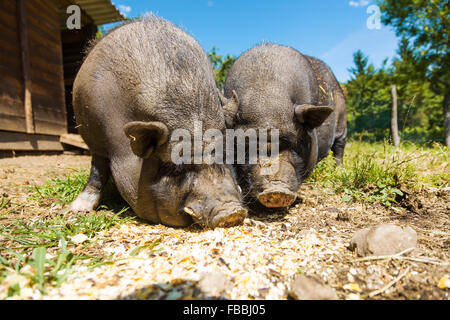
x,y
382,240
213,283
305,287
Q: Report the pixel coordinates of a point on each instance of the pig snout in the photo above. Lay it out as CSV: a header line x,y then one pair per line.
x,y
224,209
223,215
276,196
215,199
277,190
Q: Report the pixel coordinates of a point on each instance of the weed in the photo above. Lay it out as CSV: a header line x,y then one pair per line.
x,y
151,245
378,172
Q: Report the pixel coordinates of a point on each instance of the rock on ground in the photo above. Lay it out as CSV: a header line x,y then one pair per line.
x,y
310,288
213,283
384,239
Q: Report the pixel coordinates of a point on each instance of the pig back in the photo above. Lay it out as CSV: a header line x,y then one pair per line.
x,y
330,93
149,70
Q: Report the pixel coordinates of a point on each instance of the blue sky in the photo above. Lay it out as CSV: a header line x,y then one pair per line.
x,y
331,30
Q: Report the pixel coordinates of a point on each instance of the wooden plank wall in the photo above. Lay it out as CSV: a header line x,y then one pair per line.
x,y
12,113
46,66
47,82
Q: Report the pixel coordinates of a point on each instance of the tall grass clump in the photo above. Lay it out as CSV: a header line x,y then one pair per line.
x,y
373,173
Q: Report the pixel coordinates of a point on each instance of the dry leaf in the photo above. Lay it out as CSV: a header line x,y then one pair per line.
x,y
444,283
352,286
79,238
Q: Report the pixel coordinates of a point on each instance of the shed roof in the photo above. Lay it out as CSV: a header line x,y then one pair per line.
x,y
100,11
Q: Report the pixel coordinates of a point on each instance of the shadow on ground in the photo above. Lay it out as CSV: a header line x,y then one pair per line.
x,y
177,289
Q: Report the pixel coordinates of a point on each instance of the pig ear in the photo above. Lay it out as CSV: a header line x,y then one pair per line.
x,y
145,137
230,108
312,116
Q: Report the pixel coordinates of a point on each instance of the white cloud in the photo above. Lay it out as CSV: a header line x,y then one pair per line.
x,y
124,9
359,3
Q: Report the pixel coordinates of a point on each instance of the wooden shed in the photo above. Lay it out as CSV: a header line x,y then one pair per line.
x,y
39,59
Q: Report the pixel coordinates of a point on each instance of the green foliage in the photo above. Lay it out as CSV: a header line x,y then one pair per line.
x,y
425,23
377,172
421,72
221,65
100,32
420,108
365,179
423,27
369,101
368,98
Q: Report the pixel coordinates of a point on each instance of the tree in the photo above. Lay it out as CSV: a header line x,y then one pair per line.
x,y
221,66
368,98
425,23
419,107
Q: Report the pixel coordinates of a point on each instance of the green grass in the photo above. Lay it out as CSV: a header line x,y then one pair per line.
x,y
63,190
5,202
42,250
150,246
376,172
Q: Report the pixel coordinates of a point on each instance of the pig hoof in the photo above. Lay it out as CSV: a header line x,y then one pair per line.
x,y
84,203
276,199
226,220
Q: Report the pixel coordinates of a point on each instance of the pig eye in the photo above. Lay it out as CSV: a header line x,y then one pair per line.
x,y
286,144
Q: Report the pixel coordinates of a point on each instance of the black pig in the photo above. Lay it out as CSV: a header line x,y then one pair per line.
x,y
276,87
137,85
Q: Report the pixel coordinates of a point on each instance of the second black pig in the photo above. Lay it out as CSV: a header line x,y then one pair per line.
x,y
276,87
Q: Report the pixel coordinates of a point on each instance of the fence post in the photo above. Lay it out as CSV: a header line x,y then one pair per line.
x,y
394,122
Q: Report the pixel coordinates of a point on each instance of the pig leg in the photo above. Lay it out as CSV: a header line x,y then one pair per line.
x,y
89,198
338,149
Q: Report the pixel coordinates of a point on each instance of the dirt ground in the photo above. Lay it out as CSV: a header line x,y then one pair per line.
x,y
259,258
